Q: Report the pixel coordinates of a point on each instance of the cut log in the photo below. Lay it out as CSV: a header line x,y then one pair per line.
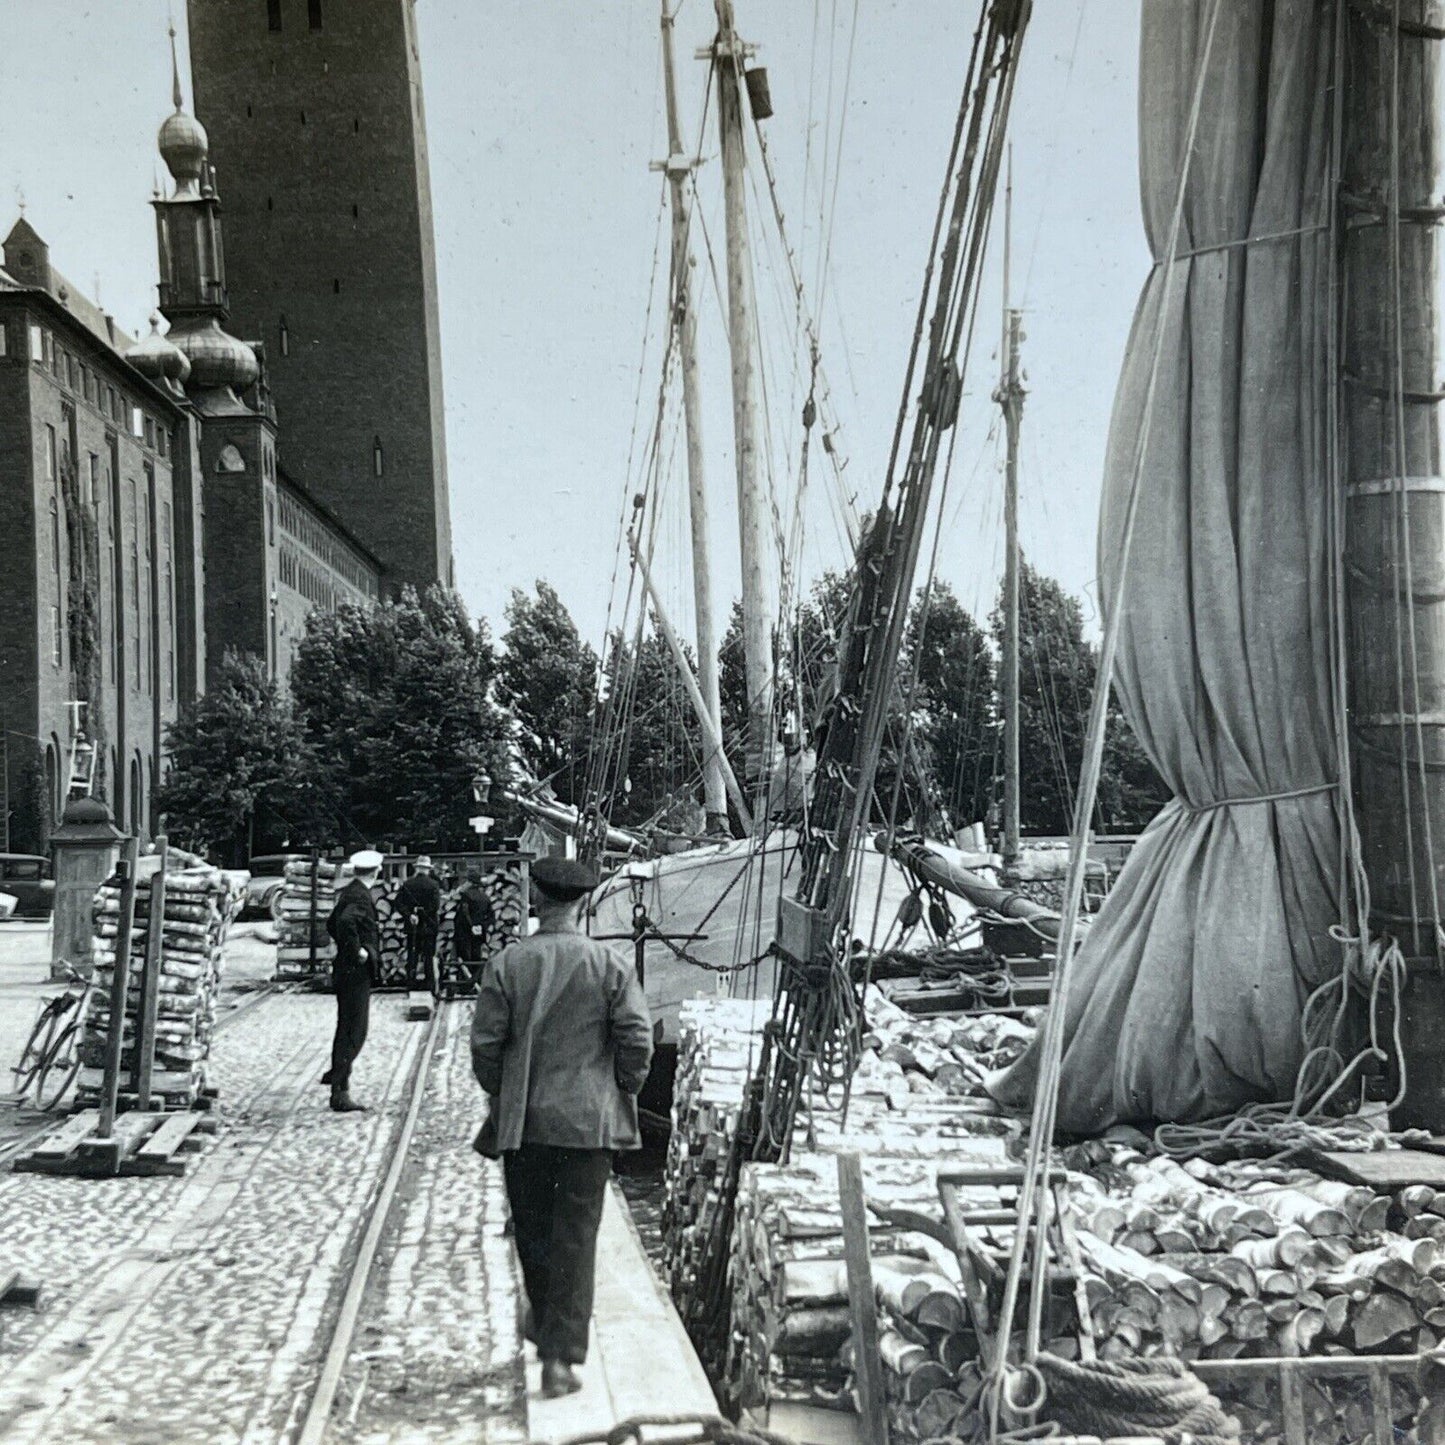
x,y
1381,1318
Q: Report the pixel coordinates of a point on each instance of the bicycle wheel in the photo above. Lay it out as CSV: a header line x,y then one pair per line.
x,y
60,1066
36,1050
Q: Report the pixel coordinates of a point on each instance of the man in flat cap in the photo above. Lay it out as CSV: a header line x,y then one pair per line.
x,y
561,1042
419,901
358,951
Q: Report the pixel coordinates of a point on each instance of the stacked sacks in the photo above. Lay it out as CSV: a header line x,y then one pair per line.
x,y
200,904
294,936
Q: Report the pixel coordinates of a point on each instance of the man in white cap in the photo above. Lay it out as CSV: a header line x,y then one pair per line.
x,y
358,951
419,901
561,1041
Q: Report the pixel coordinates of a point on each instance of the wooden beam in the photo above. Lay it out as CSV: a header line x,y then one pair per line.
x,y
120,981
150,986
862,1301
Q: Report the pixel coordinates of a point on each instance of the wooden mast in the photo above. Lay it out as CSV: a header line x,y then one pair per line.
x,y
728,54
1010,397
1390,460
678,168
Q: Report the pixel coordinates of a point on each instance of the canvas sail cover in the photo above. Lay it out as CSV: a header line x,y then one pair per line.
x,y
1187,994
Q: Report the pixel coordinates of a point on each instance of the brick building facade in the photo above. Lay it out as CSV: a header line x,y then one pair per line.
x,y
149,526
315,115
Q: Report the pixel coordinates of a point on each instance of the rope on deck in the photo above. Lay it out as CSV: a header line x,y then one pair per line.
x,y
1159,1396
710,1430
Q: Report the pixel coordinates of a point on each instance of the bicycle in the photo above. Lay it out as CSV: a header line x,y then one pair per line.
x,y
51,1057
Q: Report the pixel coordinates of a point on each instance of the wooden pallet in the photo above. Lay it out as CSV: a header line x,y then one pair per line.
x,y
17,1289
145,1143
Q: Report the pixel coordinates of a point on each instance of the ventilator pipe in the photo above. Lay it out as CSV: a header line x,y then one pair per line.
x,y
933,867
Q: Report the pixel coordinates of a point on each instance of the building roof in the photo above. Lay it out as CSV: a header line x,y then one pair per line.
x,y
286,480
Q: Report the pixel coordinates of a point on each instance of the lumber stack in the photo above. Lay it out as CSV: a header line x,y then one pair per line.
x,y
200,904
1250,1260
294,932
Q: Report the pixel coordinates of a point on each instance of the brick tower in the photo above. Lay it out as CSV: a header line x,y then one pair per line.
x,y
315,117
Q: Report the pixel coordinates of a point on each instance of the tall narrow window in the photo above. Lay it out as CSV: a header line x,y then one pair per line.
x,y
376,456
285,338
313,13
336,287
51,464
95,481
273,14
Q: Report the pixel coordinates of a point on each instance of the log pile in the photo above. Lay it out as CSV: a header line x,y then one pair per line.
x,y
1224,1262
200,905
294,931
1248,1260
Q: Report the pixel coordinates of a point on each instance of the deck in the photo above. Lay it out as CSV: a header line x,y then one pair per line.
x,y
640,1362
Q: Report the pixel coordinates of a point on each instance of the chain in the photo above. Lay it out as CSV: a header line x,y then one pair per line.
x,y
707,1430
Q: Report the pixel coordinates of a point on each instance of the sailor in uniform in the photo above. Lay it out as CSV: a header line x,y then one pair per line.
x,y
353,925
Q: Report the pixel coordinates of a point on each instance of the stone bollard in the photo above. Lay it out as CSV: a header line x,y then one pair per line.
x,y
86,846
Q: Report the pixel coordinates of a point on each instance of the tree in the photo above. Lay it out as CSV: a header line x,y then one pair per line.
x,y
664,744
1057,672
242,777
955,721
547,679
396,699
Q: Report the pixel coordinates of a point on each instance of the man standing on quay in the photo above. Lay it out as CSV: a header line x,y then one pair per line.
x,y
561,1042
358,951
419,901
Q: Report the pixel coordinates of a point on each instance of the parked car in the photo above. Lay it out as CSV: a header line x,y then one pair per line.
x,y
268,874
26,877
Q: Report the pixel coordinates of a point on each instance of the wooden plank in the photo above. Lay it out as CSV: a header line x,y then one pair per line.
x,y
1381,1404
1383,1169
129,1132
1070,1252
974,1294
120,981
62,1143
862,1301
1292,1406
174,1132
150,988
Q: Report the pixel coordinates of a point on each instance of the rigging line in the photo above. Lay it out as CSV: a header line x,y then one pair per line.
x,y
1403,467
1052,149
827,139
824,269
1046,1098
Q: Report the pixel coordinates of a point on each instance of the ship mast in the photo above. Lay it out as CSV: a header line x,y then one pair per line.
x,y
679,168
728,54
1010,397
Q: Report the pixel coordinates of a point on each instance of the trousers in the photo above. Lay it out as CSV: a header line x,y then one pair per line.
x,y
353,1013
421,948
556,1197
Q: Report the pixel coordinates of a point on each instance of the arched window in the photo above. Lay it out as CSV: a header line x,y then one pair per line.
x,y
136,801
378,461
230,460
52,779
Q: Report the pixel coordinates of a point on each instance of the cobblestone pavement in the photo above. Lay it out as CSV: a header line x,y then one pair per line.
x,y
194,1309
437,1353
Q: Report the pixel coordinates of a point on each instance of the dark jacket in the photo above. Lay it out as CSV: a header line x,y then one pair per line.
x,y
353,925
562,1041
474,910
421,893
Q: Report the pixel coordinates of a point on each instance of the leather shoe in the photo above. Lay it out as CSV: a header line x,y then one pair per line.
x,y
343,1103
558,1379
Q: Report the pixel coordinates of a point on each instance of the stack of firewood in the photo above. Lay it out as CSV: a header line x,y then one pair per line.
x,y
1245,1260
296,931
200,905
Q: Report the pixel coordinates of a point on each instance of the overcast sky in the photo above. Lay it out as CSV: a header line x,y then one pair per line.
x,y
543,116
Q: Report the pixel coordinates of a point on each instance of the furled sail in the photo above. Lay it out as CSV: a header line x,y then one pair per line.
x,y
1187,996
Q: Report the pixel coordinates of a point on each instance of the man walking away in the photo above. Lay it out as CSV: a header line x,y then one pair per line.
x,y
419,900
358,951
561,1042
474,918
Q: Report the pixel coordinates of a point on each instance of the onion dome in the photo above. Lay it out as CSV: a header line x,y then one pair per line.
x,y
158,357
184,146
217,358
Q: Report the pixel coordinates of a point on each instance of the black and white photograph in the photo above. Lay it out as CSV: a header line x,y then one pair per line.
x,y
722,722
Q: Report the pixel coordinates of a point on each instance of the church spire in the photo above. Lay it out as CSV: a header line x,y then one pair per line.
x,y
175,70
